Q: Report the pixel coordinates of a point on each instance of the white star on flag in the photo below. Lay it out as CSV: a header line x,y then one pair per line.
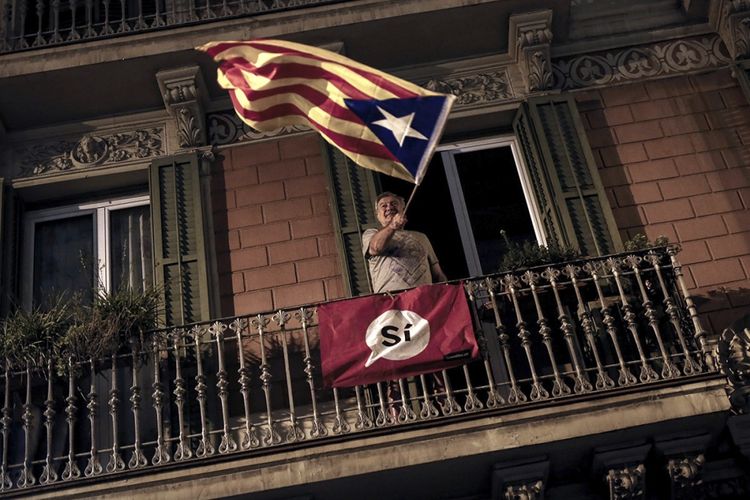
x,y
399,126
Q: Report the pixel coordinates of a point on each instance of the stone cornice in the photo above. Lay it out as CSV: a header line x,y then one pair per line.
x,y
628,64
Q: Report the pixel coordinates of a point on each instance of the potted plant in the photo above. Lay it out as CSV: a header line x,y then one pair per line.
x,y
30,337
111,322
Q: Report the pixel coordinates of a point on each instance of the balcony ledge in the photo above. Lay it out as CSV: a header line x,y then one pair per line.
x,y
501,432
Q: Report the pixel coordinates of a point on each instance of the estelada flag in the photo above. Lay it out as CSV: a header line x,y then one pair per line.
x,y
378,120
386,337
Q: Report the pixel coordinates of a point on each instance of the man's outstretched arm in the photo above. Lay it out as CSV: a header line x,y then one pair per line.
x,y
380,240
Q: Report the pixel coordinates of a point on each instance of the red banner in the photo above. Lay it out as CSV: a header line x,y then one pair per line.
x,y
383,337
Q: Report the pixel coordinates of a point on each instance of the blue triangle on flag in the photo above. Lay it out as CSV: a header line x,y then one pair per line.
x,y
407,127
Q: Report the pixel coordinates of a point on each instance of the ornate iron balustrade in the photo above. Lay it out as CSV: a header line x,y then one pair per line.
x,y
29,24
249,383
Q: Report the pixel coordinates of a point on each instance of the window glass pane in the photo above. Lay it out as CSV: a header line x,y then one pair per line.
x,y
494,201
130,240
63,259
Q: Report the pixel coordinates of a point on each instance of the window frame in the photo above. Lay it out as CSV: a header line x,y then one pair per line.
x,y
448,152
100,227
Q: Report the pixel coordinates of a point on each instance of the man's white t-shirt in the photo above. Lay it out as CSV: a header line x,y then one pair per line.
x,y
406,261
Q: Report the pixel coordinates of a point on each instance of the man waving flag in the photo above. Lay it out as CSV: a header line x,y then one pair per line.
x,y
379,121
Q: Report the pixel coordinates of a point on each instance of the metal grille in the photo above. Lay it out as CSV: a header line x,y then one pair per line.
x,y
249,383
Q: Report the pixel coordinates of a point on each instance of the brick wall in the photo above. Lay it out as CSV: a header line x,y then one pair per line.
x,y
674,157
273,231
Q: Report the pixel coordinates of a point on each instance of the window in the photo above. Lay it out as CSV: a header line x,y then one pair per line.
x,y
471,192
76,248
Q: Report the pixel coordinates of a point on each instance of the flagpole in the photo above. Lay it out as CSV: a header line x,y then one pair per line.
x,y
411,196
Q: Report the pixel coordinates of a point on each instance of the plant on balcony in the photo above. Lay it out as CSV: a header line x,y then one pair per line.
x,y
109,324
531,254
30,336
641,242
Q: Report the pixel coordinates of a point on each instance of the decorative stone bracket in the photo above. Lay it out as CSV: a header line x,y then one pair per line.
x,y
530,41
520,480
182,91
685,474
731,19
733,353
623,470
685,458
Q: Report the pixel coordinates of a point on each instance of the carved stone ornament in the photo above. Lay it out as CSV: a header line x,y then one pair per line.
x,y
732,21
673,57
685,473
539,70
225,127
187,127
90,151
479,88
627,483
527,491
181,91
733,350
533,37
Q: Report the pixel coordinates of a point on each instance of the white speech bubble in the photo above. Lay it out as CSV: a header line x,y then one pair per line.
x,y
397,335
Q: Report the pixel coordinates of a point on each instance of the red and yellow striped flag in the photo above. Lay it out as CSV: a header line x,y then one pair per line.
x,y
379,121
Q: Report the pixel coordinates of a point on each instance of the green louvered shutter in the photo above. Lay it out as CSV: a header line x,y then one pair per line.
x,y
179,238
10,210
352,195
569,194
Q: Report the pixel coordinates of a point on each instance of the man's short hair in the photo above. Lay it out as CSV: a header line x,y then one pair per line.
x,y
388,193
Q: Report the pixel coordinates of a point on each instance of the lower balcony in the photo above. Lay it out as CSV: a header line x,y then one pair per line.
x,y
575,357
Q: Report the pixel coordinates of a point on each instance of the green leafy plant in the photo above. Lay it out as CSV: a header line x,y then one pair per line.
x,y
31,336
110,323
641,242
531,254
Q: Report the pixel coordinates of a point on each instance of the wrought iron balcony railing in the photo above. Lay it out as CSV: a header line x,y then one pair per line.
x,y
246,384
30,24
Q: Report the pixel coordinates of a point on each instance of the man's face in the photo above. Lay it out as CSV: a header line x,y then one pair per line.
x,y
387,208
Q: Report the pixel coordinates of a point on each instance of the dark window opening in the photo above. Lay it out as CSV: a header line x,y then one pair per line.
x,y
466,198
